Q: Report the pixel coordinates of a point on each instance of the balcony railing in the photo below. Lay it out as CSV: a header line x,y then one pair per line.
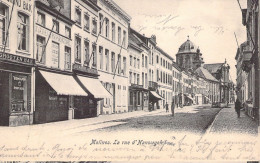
x,y
153,85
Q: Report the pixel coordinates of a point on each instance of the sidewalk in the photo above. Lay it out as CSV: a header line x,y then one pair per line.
x,y
228,122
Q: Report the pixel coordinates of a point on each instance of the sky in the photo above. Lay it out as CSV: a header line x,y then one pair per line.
x,y
210,24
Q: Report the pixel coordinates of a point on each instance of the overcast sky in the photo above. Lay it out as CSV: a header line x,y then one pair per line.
x,y
210,24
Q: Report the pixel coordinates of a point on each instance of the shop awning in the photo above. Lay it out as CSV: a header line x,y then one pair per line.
x,y
156,95
190,97
95,87
63,84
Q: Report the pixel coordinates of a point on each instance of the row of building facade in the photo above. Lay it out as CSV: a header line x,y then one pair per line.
x,y
247,58
76,59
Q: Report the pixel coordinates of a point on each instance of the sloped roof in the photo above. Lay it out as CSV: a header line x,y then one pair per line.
x,y
164,53
204,73
213,68
133,40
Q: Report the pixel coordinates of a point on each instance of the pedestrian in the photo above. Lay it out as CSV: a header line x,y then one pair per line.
x,y
167,107
173,107
238,107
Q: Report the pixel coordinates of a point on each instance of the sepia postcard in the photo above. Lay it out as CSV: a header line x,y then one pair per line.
x,y
102,81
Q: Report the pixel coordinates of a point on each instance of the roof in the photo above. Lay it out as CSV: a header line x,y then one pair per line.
x,y
204,73
134,42
213,68
188,47
163,52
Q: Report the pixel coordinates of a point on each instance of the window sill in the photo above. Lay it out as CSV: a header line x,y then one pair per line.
x,y
94,34
23,52
78,25
86,30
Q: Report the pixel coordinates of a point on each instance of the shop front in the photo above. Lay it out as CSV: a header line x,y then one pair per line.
x,y
138,98
15,90
87,107
154,98
54,91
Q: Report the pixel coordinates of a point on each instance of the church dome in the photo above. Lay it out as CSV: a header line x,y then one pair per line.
x,y
188,47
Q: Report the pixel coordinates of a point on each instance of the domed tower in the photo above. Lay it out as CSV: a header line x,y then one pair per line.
x,y
189,56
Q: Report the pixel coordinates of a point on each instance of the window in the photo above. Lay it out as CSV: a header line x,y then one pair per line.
x,y
119,64
56,25
113,62
86,52
78,16
142,60
146,80
94,23
124,65
40,51
134,78
78,49
20,93
130,77
94,50
124,39
100,23
138,63
55,54
142,78
119,36
157,59
134,62
107,59
138,79
86,22
23,29
67,58
158,75
113,32
3,23
41,19
68,32
100,57
146,64
107,28
131,60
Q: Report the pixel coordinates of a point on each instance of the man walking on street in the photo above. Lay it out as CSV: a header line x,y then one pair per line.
x,y
173,107
238,107
167,107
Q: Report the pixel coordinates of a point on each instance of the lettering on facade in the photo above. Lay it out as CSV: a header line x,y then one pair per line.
x,y
23,4
55,37
16,58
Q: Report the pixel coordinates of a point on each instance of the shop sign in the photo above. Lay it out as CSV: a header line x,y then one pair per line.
x,y
52,95
26,5
18,82
15,58
55,37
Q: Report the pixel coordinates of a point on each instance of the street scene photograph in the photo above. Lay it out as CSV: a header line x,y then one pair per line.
x,y
129,80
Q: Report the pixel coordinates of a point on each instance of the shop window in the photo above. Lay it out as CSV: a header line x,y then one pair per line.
x,y
40,51
56,26
77,49
55,55
3,22
41,18
86,22
78,16
23,30
20,93
86,52
67,58
68,32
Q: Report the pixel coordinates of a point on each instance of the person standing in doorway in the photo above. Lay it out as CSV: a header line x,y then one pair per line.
x,y
172,108
238,107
